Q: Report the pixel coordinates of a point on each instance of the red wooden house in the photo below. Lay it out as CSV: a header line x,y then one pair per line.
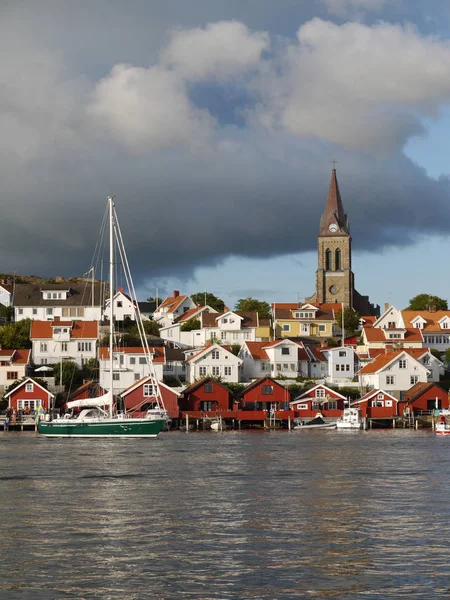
x,y
425,397
29,395
140,396
206,395
378,404
265,394
321,399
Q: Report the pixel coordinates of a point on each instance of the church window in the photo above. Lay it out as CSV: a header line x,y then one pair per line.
x,y
328,260
337,260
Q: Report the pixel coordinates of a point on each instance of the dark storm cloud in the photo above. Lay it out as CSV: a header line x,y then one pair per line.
x,y
210,153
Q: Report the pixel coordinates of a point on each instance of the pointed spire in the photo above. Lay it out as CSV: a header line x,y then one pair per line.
x,y
334,220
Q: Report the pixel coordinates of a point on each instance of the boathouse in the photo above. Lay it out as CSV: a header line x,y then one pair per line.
x,y
423,398
28,396
378,404
205,396
319,398
140,396
265,394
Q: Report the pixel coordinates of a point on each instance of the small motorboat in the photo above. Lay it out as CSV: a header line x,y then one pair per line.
x,y
442,426
317,423
350,419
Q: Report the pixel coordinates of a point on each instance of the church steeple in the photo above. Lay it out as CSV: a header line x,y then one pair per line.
x,y
334,221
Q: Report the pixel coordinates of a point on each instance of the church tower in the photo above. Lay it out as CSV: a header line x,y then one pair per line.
x,y
334,277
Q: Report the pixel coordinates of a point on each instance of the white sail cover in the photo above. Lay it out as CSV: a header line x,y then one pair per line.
x,y
104,400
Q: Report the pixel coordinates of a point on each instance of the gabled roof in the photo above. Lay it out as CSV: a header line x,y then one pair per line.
x,y
317,354
171,303
212,347
432,318
377,334
94,388
147,307
418,389
30,294
142,381
286,312
307,393
103,352
192,313
382,360
29,380
259,382
79,330
249,319
200,382
16,357
256,350
373,393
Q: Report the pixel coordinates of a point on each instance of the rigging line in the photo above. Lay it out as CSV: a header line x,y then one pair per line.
x,y
130,284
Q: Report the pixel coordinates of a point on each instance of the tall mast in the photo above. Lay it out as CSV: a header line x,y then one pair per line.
x,y
111,300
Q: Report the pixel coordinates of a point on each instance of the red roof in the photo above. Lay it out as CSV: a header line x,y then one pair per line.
x,y
384,359
78,329
158,357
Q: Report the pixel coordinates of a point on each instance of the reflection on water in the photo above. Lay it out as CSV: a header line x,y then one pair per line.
x,y
250,515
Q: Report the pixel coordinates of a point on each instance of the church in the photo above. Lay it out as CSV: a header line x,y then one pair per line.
x,y
335,281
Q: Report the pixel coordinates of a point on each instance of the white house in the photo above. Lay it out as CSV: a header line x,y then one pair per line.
x,y
343,363
214,361
55,341
123,307
231,328
172,308
401,369
173,332
45,302
13,366
5,294
272,359
318,364
129,365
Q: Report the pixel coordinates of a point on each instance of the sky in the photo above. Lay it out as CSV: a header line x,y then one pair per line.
x,y
214,124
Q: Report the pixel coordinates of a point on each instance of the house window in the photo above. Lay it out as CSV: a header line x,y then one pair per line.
x,y
286,327
64,347
20,311
206,405
320,393
31,404
44,361
347,367
137,376
332,405
322,328
265,367
380,396
215,354
29,387
202,371
49,311
149,390
445,325
302,406
388,403
34,311
285,351
391,323
132,360
84,346
414,379
12,375
390,379
169,367
315,405
267,390
338,367
43,346
224,320
216,371
285,367
208,388
426,360
402,364
342,353
116,376
305,328
142,360
223,335
227,371
378,403
119,304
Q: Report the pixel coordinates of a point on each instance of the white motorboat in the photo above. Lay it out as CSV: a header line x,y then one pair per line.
x,y
350,419
317,423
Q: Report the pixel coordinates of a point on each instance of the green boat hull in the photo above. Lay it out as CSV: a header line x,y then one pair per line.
x,y
126,428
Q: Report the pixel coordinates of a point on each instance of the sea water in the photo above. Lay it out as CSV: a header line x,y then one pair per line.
x,y
245,515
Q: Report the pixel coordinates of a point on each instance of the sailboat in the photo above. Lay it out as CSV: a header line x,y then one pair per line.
x,y
98,417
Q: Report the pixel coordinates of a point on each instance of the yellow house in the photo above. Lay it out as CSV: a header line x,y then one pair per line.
x,y
304,320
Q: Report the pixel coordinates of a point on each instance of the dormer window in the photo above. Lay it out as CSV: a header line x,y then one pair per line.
x,y
391,324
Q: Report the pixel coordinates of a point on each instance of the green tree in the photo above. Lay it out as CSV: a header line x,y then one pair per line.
x,y
235,348
351,320
427,302
211,300
253,305
150,328
6,313
190,325
68,374
447,355
16,335
158,300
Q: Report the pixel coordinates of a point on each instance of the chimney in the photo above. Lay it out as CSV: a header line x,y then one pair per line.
x,y
198,305
388,348
120,290
386,306
225,309
176,293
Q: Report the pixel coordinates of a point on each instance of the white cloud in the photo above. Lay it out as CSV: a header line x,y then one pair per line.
x,y
362,87
219,51
149,108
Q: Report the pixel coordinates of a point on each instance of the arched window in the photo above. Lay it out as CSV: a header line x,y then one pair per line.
x,y
328,260
337,261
